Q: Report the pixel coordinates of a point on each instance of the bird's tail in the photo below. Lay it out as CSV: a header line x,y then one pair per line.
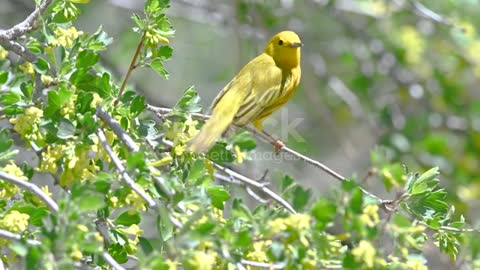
x,y
222,116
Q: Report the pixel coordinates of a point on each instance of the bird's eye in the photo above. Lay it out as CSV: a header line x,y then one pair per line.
x,y
280,42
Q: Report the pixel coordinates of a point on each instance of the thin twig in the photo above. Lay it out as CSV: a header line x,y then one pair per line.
x,y
111,261
262,264
17,237
161,112
31,188
121,170
117,129
129,143
130,69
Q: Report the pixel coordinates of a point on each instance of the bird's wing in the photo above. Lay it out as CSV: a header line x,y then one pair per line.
x,y
267,86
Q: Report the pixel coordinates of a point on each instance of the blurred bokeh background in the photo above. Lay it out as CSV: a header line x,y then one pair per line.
x,y
384,83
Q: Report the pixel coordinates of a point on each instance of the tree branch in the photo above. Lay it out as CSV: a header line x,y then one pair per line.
x,y
27,24
121,170
16,237
161,112
31,188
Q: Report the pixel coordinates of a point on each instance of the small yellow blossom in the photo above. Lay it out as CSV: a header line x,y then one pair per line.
x,y
136,201
46,79
3,53
82,228
240,156
365,252
14,170
68,109
201,261
96,100
298,222
153,38
172,265
50,158
416,265
27,67
413,43
162,162
191,126
114,202
15,221
259,251
76,254
98,237
26,125
133,229
66,37
370,215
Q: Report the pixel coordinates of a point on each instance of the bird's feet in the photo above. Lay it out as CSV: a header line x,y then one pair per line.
x,y
278,145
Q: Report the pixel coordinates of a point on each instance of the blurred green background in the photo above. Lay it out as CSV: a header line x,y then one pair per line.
x,y
384,83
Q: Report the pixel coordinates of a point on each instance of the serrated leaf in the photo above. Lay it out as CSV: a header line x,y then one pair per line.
x,y
86,59
218,195
219,153
189,101
66,129
157,65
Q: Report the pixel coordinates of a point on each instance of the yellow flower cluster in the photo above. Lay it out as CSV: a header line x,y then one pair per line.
x,y
78,165
366,253
153,38
258,253
136,201
65,37
14,221
135,231
369,216
201,260
68,109
7,190
180,133
26,125
413,43
296,222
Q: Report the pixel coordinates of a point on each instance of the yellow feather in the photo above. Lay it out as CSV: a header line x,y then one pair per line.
x,y
260,88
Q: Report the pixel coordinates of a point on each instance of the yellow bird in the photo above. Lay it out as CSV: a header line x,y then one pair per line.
x,y
261,87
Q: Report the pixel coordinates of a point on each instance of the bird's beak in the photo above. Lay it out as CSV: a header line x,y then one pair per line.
x,y
296,45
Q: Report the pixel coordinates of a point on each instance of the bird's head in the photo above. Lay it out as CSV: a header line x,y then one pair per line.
x,y
284,48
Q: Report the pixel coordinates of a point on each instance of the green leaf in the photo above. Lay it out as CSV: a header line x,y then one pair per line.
x,y
91,201
164,224
196,170
301,197
157,65
66,129
19,248
41,66
136,160
128,218
218,195
164,52
356,203
5,140
118,253
189,101
145,245
324,212
55,101
219,153
86,59
3,76
10,98
137,106
27,89
244,141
